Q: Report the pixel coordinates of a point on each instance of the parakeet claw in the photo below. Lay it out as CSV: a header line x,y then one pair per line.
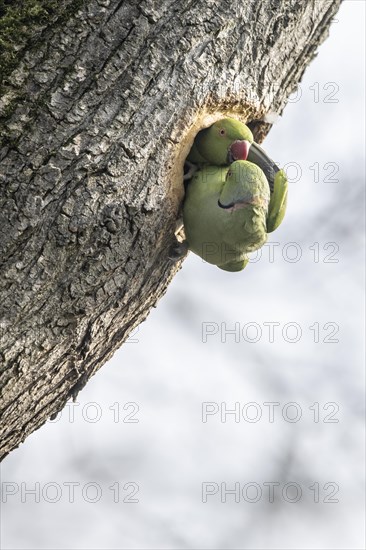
x,y
189,170
178,225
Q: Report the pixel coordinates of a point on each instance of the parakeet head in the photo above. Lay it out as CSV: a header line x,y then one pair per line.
x,y
245,186
226,141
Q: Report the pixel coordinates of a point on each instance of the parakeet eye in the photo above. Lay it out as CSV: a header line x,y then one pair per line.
x,y
229,174
222,132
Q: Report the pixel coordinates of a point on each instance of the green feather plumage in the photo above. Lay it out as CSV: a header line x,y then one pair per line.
x,y
212,144
224,237
230,208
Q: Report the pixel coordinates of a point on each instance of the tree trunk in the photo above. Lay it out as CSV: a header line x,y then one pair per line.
x,y
100,108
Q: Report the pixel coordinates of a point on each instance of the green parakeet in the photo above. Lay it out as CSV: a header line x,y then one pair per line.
x,y
225,213
236,196
222,143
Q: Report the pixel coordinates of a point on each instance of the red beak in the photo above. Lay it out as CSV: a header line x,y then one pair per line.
x,y
240,150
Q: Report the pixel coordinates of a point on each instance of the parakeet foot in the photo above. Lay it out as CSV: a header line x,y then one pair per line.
x,y
189,170
178,250
178,225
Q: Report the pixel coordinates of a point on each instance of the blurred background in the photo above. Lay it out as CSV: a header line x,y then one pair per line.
x,y
150,457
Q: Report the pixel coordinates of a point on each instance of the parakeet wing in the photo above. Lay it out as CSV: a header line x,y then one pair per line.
x,y
278,203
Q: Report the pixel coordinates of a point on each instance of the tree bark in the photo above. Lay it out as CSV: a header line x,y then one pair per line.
x,y
97,118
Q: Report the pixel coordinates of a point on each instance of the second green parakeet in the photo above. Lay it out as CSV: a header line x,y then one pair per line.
x,y
222,143
225,213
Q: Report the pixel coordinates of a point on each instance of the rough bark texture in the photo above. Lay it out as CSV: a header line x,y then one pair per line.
x,y
98,116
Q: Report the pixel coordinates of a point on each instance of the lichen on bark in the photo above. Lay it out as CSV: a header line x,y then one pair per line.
x,y
21,25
